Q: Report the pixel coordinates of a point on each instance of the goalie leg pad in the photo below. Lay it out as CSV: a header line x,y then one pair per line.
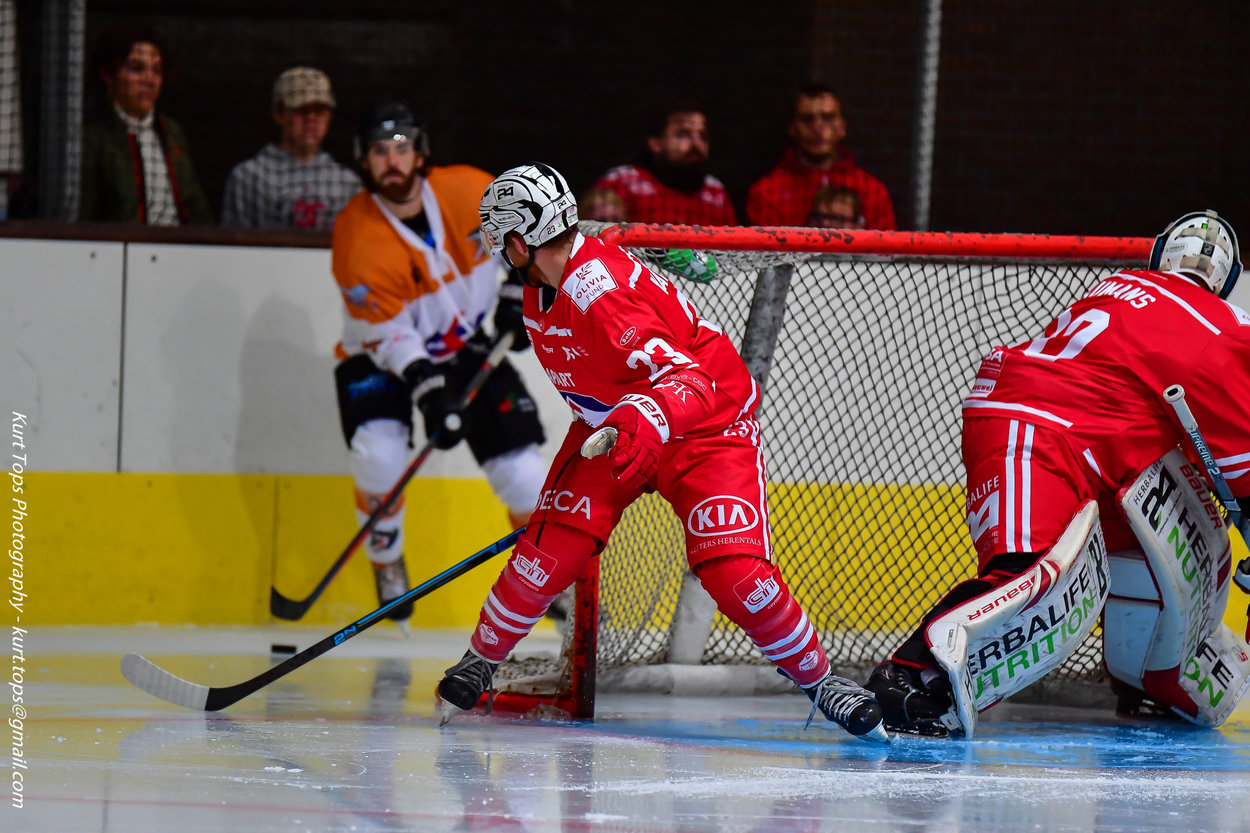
x,y
1002,641
530,582
1163,630
751,592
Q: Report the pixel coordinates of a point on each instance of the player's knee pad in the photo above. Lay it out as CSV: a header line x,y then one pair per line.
x,y
1007,638
751,592
541,566
366,392
1163,630
517,478
378,455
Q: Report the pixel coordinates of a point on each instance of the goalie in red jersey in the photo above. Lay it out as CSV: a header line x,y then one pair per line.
x,y
1084,498
628,351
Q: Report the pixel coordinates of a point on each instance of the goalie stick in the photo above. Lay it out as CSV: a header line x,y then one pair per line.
x,y
284,608
1174,395
146,675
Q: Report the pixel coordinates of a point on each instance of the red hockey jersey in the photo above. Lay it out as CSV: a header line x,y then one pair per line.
x,y
617,328
1099,370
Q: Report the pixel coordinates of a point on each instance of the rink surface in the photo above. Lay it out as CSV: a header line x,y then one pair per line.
x,y
351,742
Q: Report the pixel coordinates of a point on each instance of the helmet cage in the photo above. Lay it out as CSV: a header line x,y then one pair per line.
x,y
1203,245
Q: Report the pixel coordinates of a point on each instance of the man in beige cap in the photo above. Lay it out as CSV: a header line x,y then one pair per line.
x,y
294,183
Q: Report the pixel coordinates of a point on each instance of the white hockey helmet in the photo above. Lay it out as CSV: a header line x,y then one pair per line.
x,y
1203,245
533,200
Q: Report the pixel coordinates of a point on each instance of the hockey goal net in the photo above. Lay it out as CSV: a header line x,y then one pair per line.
x,y
864,344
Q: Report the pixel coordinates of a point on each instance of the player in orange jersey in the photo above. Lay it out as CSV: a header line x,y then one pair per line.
x,y
418,286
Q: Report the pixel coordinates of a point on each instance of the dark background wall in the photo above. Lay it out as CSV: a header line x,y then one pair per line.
x,y
1060,117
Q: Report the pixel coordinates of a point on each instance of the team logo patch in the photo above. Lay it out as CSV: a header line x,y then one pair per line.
x,y
757,590
590,282
809,661
356,295
983,517
488,634
532,569
721,515
629,336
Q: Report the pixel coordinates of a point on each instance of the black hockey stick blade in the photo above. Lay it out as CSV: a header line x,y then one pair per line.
x,y
158,682
293,609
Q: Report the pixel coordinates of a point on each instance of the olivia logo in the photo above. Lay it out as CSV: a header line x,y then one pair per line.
x,y
629,336
488,634
722,515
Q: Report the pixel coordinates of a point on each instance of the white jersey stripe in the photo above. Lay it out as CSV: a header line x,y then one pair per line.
x,y
1197,316
799,645
1009,497
1016,408
782,643
1026,492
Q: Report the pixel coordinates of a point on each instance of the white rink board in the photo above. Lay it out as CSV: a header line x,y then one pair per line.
x,y
60,335
229,365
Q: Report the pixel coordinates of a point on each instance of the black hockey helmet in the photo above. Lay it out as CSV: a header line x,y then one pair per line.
x,y
389,120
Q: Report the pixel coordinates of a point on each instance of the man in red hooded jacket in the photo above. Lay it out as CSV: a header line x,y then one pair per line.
x,y
784,196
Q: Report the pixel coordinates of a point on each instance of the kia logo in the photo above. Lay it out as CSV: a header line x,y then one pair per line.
x,y
721,515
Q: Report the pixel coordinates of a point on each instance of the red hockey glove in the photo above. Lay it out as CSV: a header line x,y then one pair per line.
x,y
636,455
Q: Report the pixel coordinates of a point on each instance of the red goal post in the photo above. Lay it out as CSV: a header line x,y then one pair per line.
x,y
864,343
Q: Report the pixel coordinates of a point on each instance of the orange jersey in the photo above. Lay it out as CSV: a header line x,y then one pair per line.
x,y
405,299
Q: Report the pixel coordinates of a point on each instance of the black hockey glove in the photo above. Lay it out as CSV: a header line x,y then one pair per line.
x,y
508,316
444,425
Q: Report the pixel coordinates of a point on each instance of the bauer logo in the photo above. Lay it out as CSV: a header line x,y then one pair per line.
x,y
810,659
532,569
722,515
488,634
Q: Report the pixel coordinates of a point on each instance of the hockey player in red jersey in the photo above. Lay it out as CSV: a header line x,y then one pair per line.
x,y
1074,415
628,351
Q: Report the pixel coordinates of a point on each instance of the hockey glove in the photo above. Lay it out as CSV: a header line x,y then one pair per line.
x,y
691,265
636,455
508,315
443,423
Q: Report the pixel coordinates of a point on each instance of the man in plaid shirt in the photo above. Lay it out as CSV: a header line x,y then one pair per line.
x,y
671,183
292,184
784,197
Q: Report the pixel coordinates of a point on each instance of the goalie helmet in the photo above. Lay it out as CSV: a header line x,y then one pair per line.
x,y
533,200
389,120
1203,245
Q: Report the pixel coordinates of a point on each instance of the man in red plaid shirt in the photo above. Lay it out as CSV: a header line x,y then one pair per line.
x,y
671,183
784,196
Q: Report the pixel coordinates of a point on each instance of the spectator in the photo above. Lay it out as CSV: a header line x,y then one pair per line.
x,y
292,184
604,206
136,166
816,157
836,206
671,183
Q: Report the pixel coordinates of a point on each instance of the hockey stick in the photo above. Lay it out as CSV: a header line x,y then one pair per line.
x,y
158,682
284,608
1174,395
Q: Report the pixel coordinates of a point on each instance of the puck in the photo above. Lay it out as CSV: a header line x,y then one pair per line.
x,y
277,648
